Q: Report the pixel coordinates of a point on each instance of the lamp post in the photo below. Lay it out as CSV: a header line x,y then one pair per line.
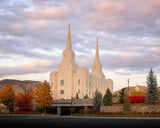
x,y
128,87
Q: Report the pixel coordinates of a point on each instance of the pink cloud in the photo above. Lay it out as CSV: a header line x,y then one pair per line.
x,y
16,28
34,67
153,44
48,12
115,14
39,24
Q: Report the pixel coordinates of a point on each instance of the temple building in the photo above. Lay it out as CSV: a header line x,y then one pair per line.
x,y
71,80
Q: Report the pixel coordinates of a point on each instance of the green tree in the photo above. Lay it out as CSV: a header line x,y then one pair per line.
x,y
126,105
86,97
152,95
121,96
107,99
42,95
77,97
97,99
8,97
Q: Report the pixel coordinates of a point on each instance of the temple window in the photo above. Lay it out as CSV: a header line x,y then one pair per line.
x,y
62,82
78,81
61,91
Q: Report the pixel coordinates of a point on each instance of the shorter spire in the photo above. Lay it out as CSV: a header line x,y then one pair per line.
x,y
69,44
97,53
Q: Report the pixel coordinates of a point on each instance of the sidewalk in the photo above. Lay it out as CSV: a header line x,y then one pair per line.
x,y
78,117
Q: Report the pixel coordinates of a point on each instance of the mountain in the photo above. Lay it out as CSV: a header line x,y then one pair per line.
x,y
18,85
136,88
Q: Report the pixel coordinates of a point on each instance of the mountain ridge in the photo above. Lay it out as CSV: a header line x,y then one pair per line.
x,y
19,85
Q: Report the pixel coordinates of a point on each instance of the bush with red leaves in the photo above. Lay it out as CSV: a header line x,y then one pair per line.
x,y
137,99
24,102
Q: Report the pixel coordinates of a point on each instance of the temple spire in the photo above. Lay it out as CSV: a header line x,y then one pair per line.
x,y
69,44
97,53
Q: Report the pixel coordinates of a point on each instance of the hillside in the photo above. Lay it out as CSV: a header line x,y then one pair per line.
x,y
18,85
137,88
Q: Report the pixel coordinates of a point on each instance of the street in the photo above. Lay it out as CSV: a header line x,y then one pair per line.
x,y
65,122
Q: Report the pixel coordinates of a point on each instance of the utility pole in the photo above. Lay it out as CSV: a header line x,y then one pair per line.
x,y
128,87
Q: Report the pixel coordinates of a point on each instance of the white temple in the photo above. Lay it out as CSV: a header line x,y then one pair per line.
x,y
71,79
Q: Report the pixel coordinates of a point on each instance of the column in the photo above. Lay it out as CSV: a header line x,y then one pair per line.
x,y
85,109
58,110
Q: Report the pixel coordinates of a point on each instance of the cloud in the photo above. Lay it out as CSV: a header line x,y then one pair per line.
x,y
39,24
48,13
128,32
129,18
39,66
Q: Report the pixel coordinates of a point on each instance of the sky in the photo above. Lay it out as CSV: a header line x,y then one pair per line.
x,y
33,35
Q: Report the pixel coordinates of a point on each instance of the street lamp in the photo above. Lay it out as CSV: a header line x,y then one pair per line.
x,y
128,87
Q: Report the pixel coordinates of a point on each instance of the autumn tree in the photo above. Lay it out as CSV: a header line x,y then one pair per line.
x,y
137,93
42,95
152,95
97,99
107,99
24,102
7,97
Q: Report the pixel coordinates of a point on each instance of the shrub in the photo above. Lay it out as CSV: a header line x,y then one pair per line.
x,y
137,99
146,112
134,112
154,113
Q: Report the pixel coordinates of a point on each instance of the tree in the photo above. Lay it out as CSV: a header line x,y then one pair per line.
x,y
137,93
42,95
126,105
97,99
152,95
77,97
107,99
86,97
24,102
121,96
8,97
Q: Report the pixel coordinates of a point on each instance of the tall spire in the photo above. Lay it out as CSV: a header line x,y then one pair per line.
x,y
69,44
97,53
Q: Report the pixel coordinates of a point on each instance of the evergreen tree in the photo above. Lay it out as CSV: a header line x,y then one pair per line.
x,y
86,97
152,95
77,97
97,99
121,96
107,99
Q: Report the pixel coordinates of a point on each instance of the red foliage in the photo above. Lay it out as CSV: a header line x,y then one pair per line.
x,y
24,102
137,99
146,112
154,112
134,112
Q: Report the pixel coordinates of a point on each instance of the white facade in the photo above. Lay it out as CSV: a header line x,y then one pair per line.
x,y
71,79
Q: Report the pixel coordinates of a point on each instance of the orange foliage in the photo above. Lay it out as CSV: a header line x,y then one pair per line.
x,y
7,97
42,95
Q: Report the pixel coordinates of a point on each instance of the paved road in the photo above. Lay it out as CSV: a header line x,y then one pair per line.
x,y
65,122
